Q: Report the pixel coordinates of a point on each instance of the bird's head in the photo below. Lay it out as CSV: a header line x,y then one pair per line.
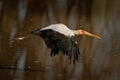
x,y
85,33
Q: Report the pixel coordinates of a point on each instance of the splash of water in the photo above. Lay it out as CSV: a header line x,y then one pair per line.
x,y
21,38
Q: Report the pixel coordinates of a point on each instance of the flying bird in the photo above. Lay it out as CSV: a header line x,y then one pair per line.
x,y
58,37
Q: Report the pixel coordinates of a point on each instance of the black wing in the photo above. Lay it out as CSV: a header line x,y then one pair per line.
x,y
59,42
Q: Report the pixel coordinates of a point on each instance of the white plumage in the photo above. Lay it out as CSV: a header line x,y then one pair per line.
x,y
61,28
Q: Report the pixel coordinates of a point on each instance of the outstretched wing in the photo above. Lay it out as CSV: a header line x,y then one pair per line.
x,y
59,42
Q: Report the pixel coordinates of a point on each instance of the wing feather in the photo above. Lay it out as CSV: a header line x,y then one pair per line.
x,y
59,42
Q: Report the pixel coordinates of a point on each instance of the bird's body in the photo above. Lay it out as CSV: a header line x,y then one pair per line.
x,y
59,37
61,28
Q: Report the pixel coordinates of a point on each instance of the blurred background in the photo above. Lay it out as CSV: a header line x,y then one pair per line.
x,y
29,59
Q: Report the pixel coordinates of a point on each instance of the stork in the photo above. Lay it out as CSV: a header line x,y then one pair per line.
x,y
58,37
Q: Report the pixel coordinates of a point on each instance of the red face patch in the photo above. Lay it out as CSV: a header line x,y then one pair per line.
x,y
82,32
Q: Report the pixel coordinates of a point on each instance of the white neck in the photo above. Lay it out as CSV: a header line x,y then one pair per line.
x,y
76,32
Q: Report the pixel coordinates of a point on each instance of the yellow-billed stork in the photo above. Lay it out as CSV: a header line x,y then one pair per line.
x,y
59,37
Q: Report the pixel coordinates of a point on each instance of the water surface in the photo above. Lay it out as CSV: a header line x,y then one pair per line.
x,y
29,59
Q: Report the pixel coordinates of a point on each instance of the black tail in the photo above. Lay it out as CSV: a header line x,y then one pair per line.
x,y
36,32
